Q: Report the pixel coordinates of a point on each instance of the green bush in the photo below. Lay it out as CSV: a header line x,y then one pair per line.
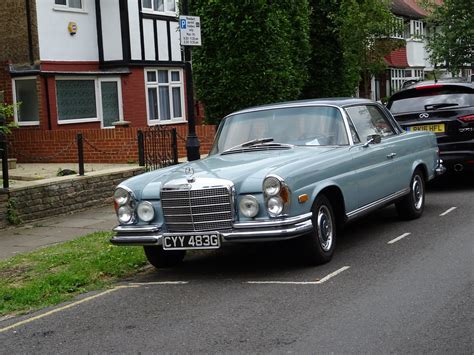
x,y
253,52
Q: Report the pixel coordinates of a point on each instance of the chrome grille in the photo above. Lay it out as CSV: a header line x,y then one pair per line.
x,y
197,210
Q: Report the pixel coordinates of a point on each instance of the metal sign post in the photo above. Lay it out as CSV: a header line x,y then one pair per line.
x,y
190,34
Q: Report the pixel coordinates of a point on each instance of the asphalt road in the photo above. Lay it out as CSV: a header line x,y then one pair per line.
x,y
406,295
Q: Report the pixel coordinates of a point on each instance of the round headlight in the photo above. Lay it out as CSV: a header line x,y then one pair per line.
x,y
124,214
248,206
271,186
145,211
275,206
121,196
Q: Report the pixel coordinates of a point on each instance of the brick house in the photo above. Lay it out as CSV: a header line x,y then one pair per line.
x,y
98,66
410,62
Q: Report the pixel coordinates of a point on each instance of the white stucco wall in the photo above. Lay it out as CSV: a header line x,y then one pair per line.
x,y
55,41
175,41
111,31
162,31
134,23
148,39
416,54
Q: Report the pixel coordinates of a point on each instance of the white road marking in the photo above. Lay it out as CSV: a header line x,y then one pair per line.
x,y
90,298
324,279
159,283
398,238
447,211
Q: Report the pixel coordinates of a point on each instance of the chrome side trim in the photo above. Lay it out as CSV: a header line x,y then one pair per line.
x,y
273,223
376,204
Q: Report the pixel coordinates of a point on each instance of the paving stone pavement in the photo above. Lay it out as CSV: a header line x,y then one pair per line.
x,y
54,230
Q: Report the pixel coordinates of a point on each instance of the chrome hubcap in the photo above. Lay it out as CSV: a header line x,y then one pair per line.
x,y
325,228
418,192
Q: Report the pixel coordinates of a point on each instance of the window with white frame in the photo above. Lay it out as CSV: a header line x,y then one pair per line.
x,y
73,4
416,29
25,98
159,6
89,99
164,92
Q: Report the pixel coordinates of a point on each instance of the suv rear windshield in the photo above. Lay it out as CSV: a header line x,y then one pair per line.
x,y
434,98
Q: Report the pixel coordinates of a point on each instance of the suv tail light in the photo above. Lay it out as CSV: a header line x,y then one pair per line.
x,y
468,118
425,87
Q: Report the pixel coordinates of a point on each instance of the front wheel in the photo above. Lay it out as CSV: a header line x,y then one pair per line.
x,y
320,244
160,258
412,205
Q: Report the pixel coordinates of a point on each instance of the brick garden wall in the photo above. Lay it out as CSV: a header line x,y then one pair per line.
x,y
63,195
118,145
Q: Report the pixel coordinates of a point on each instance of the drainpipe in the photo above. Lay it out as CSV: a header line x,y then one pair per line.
x,y
30,36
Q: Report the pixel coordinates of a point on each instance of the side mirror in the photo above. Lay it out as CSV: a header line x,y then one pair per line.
x,y
373,139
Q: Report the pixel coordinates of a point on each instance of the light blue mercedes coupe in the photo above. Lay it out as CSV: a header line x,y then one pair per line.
x,y
298,169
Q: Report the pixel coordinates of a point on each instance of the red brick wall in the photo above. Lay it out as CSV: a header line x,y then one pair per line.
x,y
5,83
118,145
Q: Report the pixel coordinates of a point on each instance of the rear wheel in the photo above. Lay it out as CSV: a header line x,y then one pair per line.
x,y
319,245
412,205
160,258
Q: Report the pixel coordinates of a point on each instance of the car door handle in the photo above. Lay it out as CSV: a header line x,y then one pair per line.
x,y
391,155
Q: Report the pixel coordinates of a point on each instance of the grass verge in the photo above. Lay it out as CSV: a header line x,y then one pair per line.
x,y
55,274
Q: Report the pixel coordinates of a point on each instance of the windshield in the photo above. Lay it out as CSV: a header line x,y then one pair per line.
x,y
431,99
311,126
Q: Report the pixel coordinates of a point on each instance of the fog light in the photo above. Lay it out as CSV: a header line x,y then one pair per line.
x,y
249,206
145,211
124,214
275,206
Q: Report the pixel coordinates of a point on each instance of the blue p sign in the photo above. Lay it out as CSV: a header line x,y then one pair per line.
x,y
183,24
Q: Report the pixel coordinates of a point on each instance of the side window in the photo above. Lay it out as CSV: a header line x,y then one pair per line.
x,y
382,123
369,120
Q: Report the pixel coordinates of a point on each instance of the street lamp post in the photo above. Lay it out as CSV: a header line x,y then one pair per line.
x,y
192,141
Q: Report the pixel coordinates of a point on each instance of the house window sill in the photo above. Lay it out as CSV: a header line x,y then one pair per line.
x,y
69,9
166,123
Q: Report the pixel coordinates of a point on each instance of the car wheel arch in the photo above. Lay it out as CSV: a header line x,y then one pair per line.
x,y
336,198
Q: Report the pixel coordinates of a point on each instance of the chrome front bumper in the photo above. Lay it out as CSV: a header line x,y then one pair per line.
x,y
252,231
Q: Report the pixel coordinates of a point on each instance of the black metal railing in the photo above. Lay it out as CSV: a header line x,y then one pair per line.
x,y
157,147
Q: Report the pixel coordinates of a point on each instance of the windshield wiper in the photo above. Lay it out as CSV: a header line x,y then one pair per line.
x,y
250,143
437,106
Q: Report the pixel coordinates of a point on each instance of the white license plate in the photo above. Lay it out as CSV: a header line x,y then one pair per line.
x,y
184,241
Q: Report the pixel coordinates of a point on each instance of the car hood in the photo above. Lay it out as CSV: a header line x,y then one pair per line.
x,y
245,169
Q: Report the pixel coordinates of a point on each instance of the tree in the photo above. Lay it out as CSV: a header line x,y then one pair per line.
x,y
6,112
349,40
253,52
451,41
326,65
365,27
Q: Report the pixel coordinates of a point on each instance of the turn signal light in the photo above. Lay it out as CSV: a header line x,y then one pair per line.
x,y
468,118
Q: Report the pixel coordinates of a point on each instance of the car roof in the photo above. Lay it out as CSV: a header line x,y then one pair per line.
x,y
451,82
447,81
336,101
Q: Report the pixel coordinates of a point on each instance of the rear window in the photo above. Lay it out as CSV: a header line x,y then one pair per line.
x,y
443,97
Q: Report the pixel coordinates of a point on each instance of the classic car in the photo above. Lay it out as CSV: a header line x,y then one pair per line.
x,y
299,169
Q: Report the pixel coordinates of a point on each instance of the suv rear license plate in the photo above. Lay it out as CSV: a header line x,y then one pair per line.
x,y
436,128
184,241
